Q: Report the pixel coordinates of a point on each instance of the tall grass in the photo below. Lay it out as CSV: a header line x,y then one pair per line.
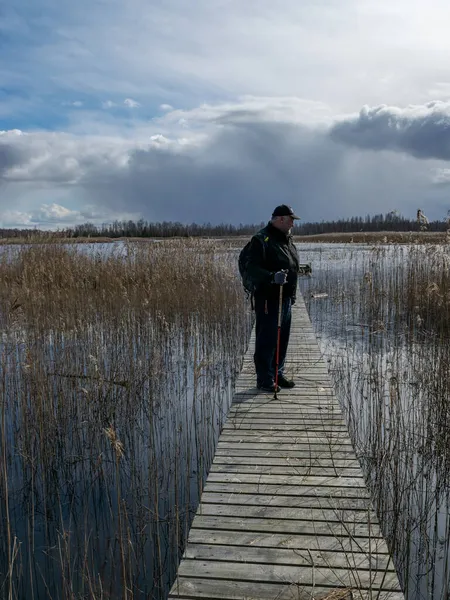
x,y
116,373
389,354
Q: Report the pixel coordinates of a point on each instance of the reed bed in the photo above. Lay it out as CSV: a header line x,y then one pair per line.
x,y
116,373
386,327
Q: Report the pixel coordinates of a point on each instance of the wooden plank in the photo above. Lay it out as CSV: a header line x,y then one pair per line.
x,y
290,556
313,394
304,576
317,371
293,427
250,392
234,444
274,500
326,425
313,413
308,482
241,487
305,438
282,461
249,398
300,353
339,529
277,458
286,469
320,435
320,457
242,511
327,422
311,379
315,543
306,388
297,370
267,428
227,589
310,408
330,421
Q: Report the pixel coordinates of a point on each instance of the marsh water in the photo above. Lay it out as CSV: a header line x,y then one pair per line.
x,y
106,457
391,375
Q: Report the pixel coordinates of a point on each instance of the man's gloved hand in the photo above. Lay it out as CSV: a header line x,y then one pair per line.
x,y
280,277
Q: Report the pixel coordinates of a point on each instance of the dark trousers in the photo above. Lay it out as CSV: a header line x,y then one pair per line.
x,y
266,332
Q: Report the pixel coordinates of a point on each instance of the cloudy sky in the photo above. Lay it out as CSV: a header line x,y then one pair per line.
x,y
217,110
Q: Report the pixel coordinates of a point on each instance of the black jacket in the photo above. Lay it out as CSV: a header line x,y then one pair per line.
x,y
271,250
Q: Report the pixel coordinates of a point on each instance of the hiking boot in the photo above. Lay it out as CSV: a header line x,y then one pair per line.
x,y
268,387
285,383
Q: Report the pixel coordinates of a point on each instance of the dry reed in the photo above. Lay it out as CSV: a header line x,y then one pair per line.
x,y
131,348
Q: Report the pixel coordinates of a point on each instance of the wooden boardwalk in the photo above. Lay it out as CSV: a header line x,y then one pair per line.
x,y
285,512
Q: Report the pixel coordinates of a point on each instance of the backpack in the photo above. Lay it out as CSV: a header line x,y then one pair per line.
x,y
248,284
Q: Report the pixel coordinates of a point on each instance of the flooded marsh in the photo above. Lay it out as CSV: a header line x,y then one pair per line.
x,y
117,373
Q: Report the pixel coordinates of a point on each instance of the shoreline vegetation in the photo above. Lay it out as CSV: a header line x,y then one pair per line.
x,y
363,237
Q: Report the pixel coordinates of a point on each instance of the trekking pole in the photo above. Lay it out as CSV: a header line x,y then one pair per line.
x,y
280,306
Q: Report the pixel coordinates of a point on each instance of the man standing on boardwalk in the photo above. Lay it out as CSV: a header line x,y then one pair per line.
x,y
273,261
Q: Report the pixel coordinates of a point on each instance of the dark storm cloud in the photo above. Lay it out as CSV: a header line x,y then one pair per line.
x,y
421,131
243,171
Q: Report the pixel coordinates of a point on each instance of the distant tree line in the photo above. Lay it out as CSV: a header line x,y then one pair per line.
x,y
389,222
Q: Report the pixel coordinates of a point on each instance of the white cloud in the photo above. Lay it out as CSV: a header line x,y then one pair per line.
x,y
53,216
108,104
46,214
55,212
440,176
130,103
11,132
165,107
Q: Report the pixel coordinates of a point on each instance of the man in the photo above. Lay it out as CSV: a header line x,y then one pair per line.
x,y
273,261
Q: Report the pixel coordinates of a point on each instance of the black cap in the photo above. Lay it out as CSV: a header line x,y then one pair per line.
x,y
284,211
